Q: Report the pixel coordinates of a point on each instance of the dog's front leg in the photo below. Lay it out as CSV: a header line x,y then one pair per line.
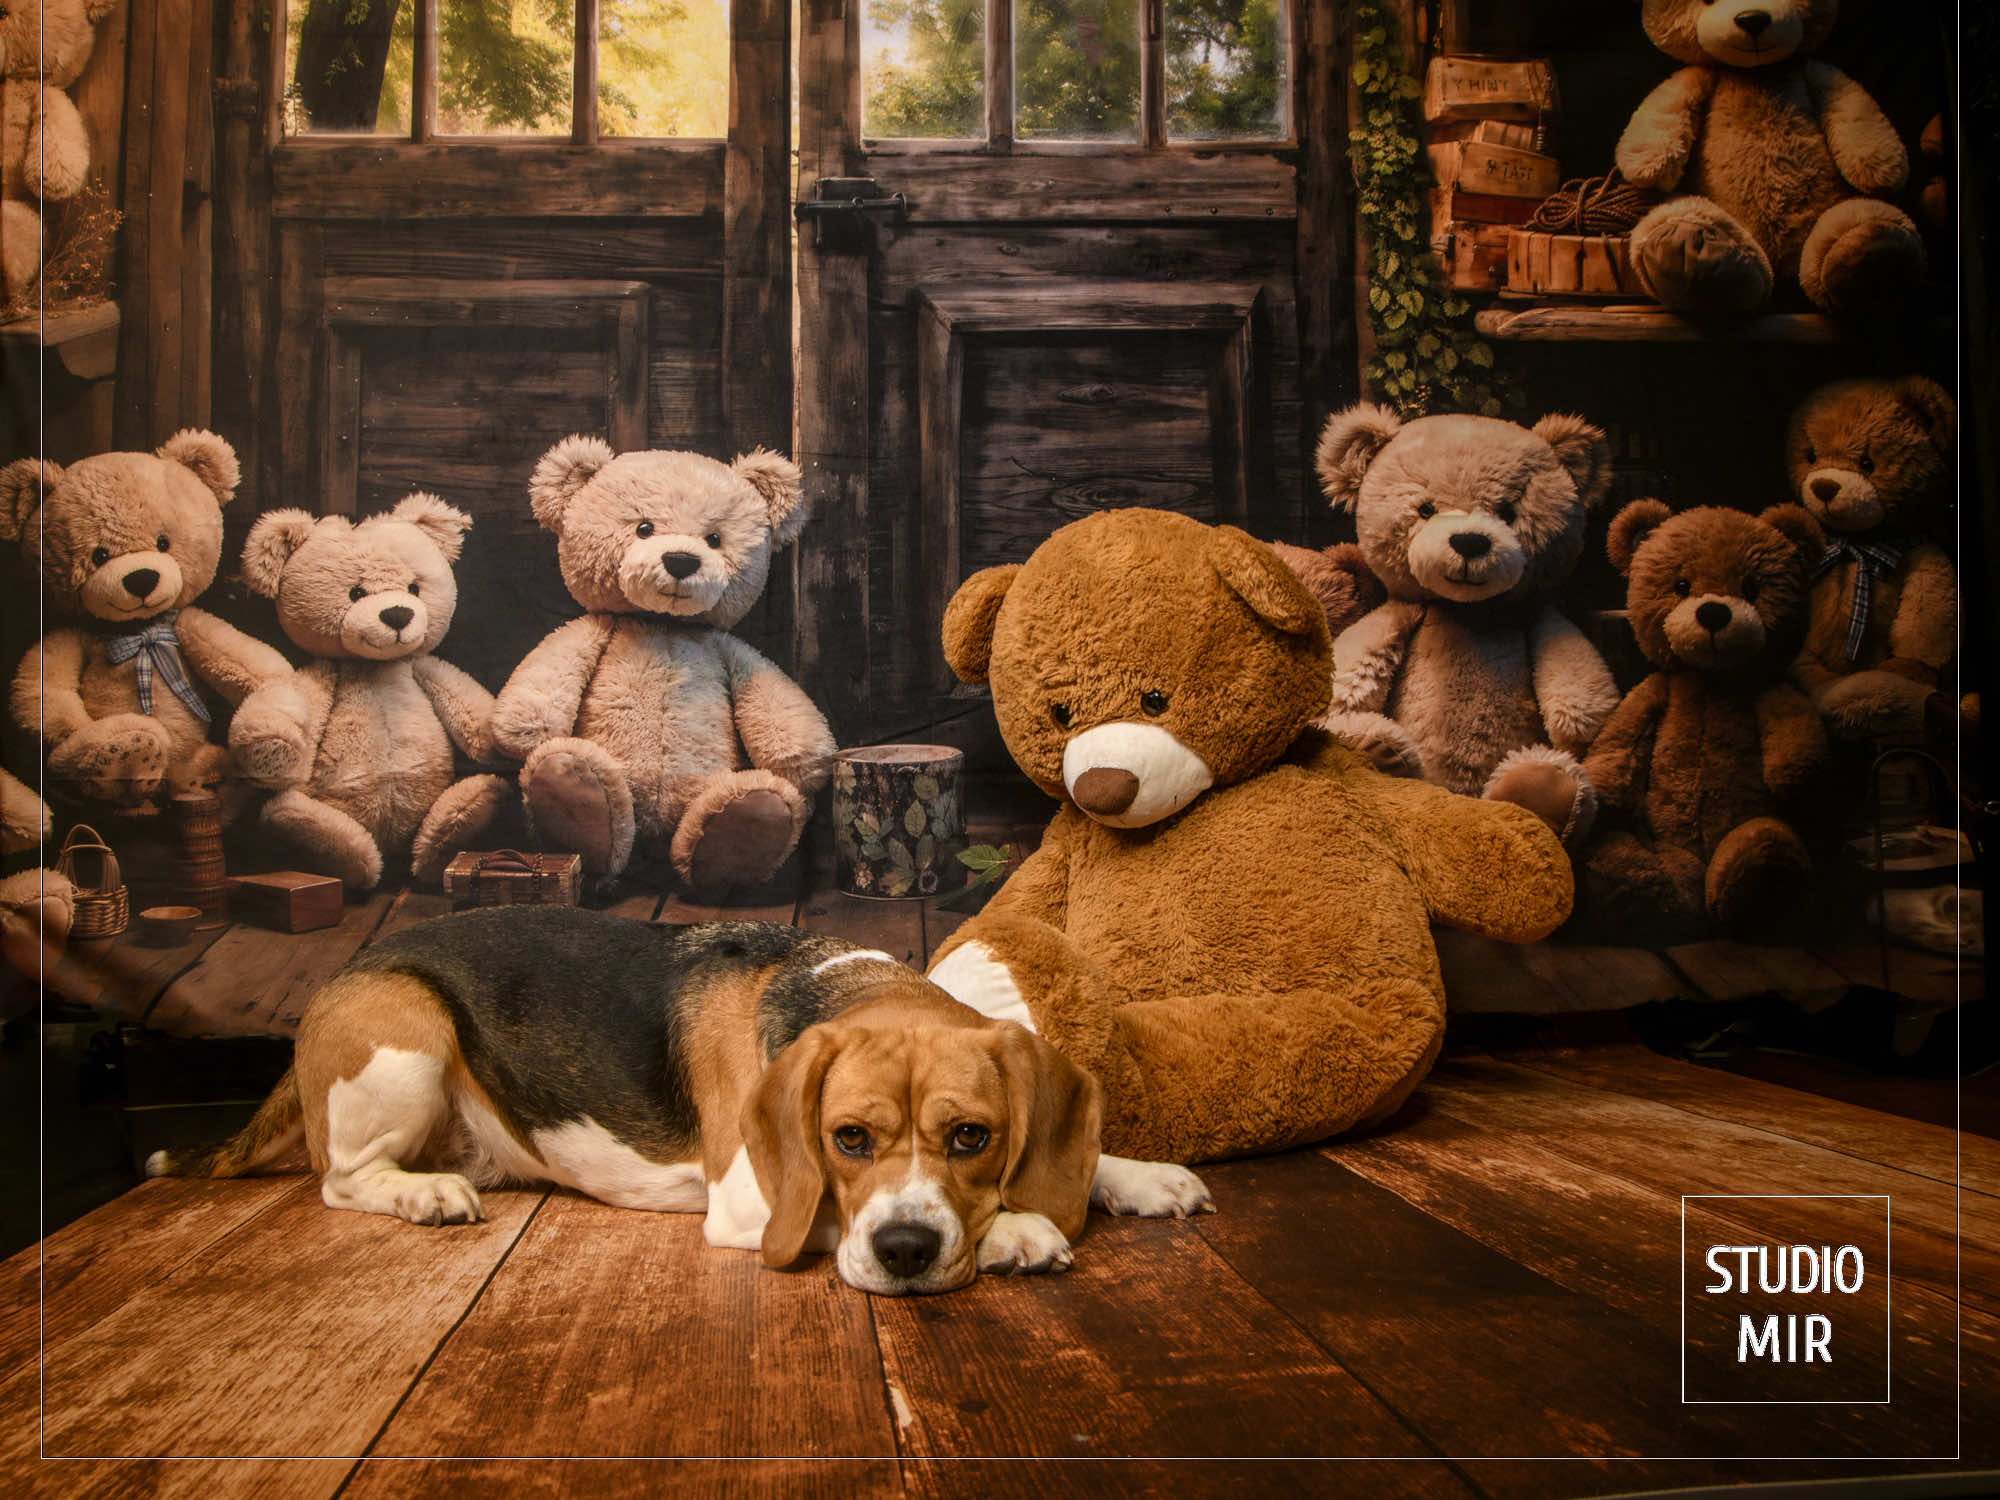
x,y
1148,1189
1024,1243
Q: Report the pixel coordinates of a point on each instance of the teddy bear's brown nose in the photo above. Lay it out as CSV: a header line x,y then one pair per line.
x,y
396,616
1711,616
1754,22
141,581
1105,790
1825,489
681,564
1471,544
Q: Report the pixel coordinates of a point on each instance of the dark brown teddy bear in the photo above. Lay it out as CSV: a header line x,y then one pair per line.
x,y
1696,765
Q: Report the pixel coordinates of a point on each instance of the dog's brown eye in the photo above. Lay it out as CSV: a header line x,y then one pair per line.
x,y
1153,701
1427,510
99,556
968,1140
645,528
1681,587
1060,713
1506,513
852,1141
357,593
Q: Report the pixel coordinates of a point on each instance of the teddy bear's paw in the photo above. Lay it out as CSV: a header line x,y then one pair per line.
x,y
737,831
1863,254
1386,743
1551,785
1865,704
1695,258
1148,1189
1758,875
455,822
331,841
1023,1244
120,759
269,750
578,799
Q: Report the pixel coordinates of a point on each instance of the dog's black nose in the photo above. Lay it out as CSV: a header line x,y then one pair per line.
x,y
1471,544
396,616
905,1249
141,581
1711,615
1754,22
681,564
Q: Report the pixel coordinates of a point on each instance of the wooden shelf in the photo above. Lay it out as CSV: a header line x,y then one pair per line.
x,y
1562,323
84,338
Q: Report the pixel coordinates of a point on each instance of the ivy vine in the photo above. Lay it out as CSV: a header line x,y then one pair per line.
x,y
1427,355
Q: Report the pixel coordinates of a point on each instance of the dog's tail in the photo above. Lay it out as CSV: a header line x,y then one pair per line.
x,y
276,1128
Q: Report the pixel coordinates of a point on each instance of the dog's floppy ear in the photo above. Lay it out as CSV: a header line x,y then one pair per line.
x,y
970,617
780,1127
1055,1111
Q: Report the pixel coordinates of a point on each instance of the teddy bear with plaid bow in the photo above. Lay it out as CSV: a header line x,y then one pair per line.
x,y
124,699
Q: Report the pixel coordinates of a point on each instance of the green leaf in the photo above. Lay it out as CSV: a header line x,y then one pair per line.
x,y
1480,355
900,857
914,820
983,857
926,787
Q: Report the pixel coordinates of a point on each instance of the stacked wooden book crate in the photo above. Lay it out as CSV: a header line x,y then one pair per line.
x,y
1487,125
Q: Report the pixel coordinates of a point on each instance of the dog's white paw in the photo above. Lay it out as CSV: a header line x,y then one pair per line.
x,y
1148,1189
1024,1244
437,1198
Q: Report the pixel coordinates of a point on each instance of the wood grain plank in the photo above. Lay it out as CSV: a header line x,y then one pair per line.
x,y
1663,1147
1647,324
1150,1347
1726,970
122,974
409,908
1177,1479
165,1479
629,1479
1482,1355
1927,978
215,1359
896,927
1103,186
254,982
323,180
1485,976
93,1266
1890,1140
616,1302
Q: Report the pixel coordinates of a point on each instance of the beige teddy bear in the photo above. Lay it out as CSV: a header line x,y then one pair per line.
x,y
1778,164
645,719
359,742
44,147
1472,525
128,541
35,905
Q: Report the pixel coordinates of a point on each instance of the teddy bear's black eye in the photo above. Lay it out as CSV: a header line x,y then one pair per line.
x,y
1060,713
1812,454
99,556
1749,591
160,541
1681,587
357,593
413,588
1866,465
1506,513
645,528
714,539
1427,510
1153,701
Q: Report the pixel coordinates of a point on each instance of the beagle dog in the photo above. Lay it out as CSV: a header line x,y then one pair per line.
x,y
803,1093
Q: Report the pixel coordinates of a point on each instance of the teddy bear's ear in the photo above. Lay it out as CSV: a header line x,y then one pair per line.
x,y
1933,406
563,470
23,484
97,10
1257,576
445,525
1796,525
1629,528
1582,450
208,457
779,481
270,545
970,617
1348,446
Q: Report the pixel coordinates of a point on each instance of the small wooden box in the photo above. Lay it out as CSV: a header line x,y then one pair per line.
x,y
288,900
1571,265
1451,205
1506,171
1474,256
507,877
1477,88
1520,135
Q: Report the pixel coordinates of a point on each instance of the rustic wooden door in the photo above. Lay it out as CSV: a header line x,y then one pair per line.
x,y
1054,256
464,229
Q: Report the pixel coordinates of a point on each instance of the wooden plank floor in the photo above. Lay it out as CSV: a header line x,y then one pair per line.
x,y
1482,1301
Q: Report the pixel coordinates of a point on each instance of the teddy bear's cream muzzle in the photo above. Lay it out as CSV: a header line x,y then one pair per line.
x,y
133,585
1750,33
1842,499
1715,630
673,575
385,626
1127,775
1466,556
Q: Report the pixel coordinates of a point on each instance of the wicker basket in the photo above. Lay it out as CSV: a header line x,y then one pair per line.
x,y
102,909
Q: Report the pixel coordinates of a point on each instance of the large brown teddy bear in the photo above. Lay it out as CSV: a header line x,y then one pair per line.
x,y
128,542
359,742
1472,524
1778,163
44,145
1228,921
645,720
1871,459
1702,759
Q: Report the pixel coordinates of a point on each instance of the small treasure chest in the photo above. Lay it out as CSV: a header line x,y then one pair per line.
x,y
287,900
507,877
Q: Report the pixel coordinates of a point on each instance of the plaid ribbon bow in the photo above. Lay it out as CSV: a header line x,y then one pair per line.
x,y
1870,559
158,649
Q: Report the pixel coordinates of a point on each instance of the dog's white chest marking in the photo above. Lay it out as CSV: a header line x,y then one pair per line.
x,y
584,1155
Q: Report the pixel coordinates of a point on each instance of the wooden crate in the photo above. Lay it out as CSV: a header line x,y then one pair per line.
x,y
1450,205
1521,136
1474,256
1503,171
1570,265
1475,88
288,900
